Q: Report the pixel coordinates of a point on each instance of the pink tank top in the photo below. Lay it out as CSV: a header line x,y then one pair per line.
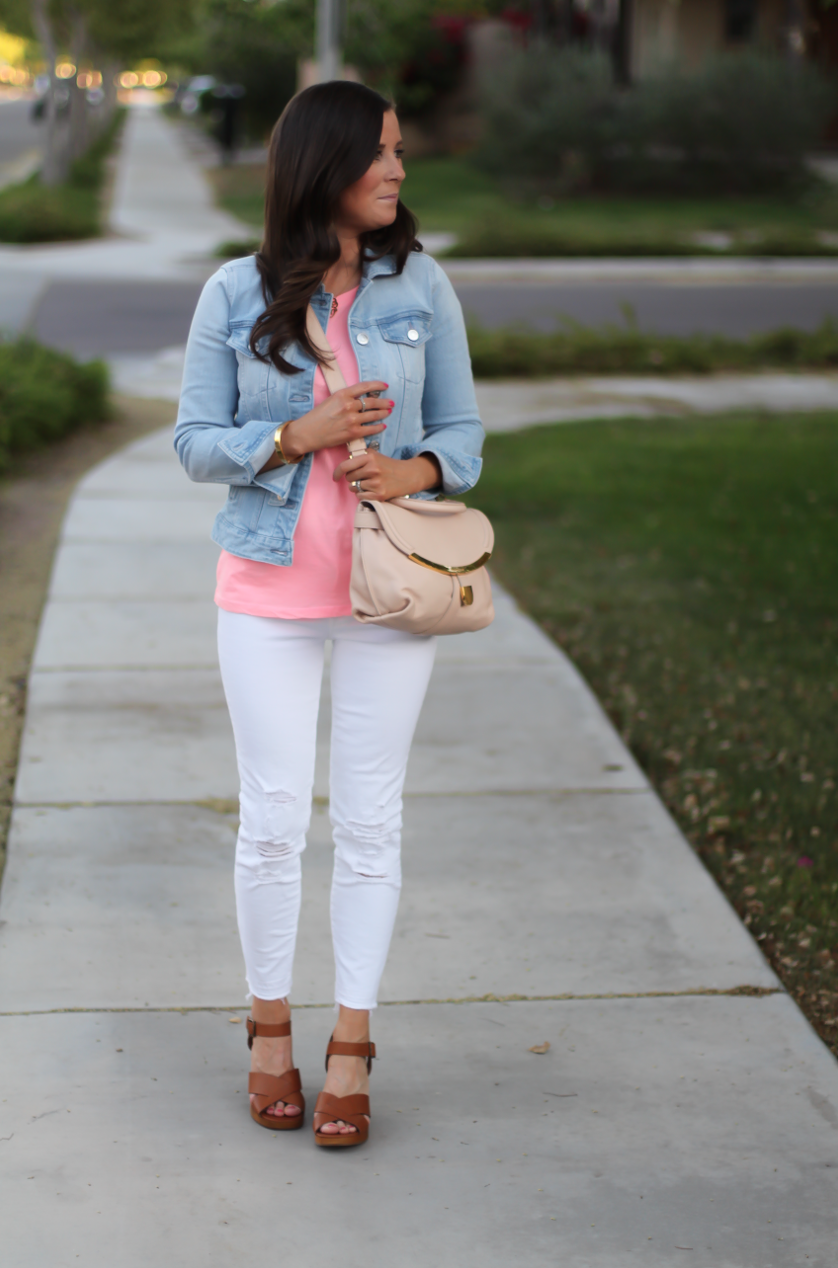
x,y
316,584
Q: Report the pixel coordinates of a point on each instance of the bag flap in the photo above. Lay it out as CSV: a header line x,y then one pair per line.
x,y
436,536
423,506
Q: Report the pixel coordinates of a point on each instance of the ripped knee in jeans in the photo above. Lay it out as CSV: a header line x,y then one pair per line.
x,y
371,850
276,835
274,824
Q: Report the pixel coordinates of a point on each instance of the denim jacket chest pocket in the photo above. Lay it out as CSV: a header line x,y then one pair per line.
x,y
252,374
408,334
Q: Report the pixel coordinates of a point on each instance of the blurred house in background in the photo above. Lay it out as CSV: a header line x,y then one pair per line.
x,y
689,30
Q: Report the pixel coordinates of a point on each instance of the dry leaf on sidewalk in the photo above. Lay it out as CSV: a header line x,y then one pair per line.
x,y
233,1020
540,1047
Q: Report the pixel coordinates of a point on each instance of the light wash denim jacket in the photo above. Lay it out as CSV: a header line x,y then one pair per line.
x,y
407,329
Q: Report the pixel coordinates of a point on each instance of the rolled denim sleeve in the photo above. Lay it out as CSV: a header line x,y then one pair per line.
x,y
211,445
452,430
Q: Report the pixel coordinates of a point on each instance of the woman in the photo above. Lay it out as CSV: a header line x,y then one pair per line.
x,y
255,413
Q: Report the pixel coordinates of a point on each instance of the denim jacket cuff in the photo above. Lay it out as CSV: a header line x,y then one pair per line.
x,y
460,471
249,446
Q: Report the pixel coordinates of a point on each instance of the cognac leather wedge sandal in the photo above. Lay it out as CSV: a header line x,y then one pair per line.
x,y
347,1109
267,1089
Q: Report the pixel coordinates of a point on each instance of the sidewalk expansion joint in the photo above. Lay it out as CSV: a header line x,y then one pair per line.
x,y
133,667
754,992
226,806
165,667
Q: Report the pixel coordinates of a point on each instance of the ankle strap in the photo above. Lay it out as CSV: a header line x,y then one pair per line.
x,y
264,1031
335,1048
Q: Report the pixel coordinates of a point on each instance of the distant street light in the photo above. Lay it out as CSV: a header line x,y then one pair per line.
x,y
329,31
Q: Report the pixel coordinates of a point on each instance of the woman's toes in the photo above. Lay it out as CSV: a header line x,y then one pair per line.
x,y
334,1129
279,1109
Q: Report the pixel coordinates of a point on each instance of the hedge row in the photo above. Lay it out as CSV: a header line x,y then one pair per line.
x,y
45,394
517,239
522,353
555,121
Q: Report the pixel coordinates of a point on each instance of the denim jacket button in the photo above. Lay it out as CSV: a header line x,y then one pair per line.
x,y
413,335
362,338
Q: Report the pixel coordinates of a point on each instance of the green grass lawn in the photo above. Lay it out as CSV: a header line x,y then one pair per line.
x,y
690,569
448,194
241,190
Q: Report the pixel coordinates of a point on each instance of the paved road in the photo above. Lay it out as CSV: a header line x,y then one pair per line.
x,y
108,318
17,131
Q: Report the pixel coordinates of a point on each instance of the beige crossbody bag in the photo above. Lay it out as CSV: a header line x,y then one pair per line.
x,y
417,565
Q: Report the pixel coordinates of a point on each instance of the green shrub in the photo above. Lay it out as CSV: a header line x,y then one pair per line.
x,y
524,353
45,394
519,237
555,121
549,119
33,212
237,248
742,121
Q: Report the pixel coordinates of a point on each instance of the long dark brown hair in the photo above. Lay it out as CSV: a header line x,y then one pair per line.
x,y
326,139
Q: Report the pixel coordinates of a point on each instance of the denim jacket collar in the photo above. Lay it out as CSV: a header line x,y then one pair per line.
x,y
384,267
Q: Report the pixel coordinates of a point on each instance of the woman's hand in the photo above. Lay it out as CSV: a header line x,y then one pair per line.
x,y
338,420
377,478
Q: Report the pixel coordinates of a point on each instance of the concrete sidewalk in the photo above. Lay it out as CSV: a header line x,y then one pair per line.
x,y
674,1118
510,404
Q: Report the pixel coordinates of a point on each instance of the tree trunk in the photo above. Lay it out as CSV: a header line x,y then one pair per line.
x,y
110,70
52,169
78,98
622,43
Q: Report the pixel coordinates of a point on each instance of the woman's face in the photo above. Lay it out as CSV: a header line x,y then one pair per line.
x,y
371,202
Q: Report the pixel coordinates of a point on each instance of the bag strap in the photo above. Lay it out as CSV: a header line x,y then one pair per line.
x,y
331,370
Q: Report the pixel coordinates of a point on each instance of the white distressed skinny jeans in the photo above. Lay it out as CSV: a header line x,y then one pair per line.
x,y
272,671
